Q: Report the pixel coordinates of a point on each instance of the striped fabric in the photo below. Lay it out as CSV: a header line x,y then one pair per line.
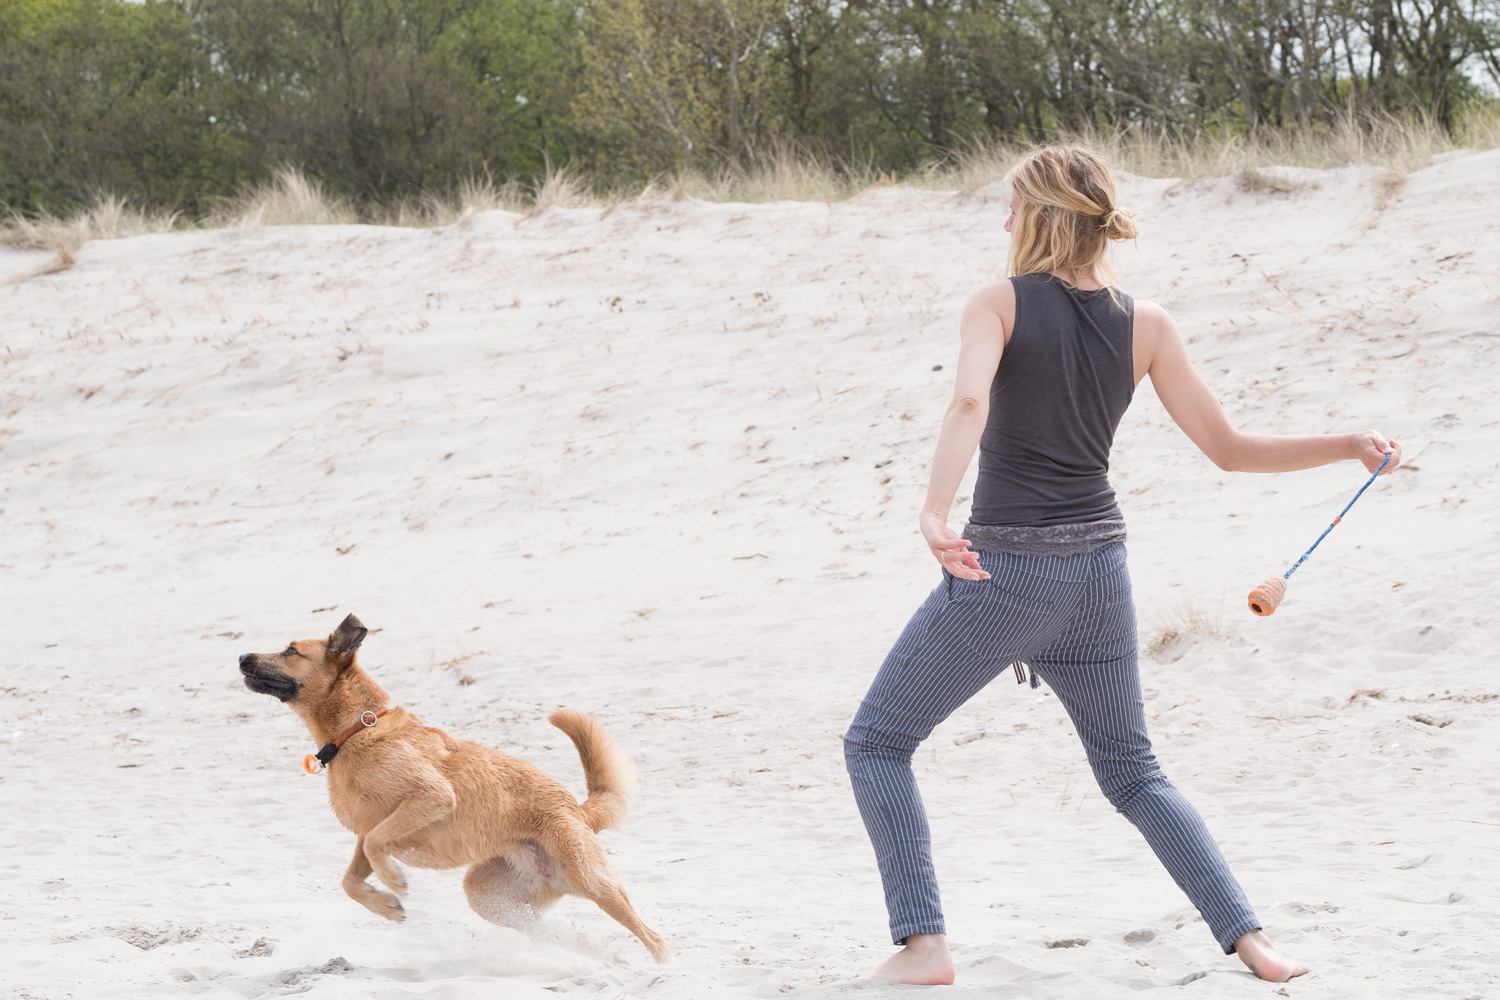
x,y
1072,619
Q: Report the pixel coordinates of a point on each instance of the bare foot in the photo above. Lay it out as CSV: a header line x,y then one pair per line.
x,y
1257,952
924,962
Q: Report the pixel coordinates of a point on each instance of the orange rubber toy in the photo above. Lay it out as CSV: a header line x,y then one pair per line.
x,y
1265,599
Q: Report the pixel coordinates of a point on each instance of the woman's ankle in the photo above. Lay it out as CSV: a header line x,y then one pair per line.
x,y
926,942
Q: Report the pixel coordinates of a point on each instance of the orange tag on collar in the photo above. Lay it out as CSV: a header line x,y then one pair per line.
x,y
311,764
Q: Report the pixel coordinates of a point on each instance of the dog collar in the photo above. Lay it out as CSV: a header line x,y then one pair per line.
x,y
316,762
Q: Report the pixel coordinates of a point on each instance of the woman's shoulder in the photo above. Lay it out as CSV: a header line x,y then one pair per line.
x,y
1151,327
990,311
999,296
1149,315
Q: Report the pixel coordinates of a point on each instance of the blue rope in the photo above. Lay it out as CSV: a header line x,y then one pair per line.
x,y
1288,574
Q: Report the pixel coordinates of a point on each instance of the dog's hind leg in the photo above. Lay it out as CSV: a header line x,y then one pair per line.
x,y
365,894
504,894
582,861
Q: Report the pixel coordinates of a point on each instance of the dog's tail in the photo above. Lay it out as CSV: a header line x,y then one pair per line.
x,y
609,777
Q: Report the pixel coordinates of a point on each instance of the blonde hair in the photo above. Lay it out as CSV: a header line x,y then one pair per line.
x,y
1066,214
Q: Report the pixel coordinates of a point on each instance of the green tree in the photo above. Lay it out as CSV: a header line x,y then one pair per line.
x,y
97,95
668,83
387,98
172,102
1422,46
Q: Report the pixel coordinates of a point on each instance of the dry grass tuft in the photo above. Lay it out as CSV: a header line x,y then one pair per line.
x,y
111,217
562,187
55,236
289,198
456,665
481,194
472,195
1389,184
108,217
1252,180
782,173
1182,620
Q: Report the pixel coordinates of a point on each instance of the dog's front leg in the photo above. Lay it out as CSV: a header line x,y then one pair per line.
x,y
430,805
382,903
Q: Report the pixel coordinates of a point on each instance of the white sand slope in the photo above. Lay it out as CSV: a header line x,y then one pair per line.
x,y
626,462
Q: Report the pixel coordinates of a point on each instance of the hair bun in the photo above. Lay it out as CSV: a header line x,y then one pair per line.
x,y
1119,224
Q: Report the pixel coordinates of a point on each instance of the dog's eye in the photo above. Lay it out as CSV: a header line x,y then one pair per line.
x,y
290,651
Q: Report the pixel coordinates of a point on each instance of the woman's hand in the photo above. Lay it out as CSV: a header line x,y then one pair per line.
x,y
952,551
1371,447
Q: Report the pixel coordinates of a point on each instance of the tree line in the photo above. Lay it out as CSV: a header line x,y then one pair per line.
x,y
176,102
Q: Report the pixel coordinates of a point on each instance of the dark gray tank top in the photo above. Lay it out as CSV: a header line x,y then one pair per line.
x,y
1065,380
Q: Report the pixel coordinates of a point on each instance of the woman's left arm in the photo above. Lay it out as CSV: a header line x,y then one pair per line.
x,y
1192,405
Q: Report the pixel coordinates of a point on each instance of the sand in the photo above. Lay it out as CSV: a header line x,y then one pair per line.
x,y
634,462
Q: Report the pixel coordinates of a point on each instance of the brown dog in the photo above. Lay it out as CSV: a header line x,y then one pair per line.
x,y
416,794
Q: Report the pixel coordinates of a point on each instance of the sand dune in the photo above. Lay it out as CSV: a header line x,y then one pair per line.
x,y
631,462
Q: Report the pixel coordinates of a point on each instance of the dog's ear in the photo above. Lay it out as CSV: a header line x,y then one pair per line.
x,y
345,639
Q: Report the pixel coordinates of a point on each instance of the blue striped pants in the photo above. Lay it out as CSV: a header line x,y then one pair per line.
x,y
1072,619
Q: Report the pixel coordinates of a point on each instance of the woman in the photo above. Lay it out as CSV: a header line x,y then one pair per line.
x,y
1048,363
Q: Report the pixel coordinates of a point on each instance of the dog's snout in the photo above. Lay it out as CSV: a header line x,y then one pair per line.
x,y
246,659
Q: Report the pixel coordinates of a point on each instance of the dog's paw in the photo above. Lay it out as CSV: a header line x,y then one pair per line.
x,y
388,906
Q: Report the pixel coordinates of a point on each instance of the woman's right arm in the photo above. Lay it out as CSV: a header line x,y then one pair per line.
x,y
1193,406
988,315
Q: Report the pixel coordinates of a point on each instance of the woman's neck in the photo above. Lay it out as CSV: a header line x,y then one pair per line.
x,y
1083,282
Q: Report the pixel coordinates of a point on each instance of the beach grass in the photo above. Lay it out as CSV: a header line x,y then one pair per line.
x,y
784,173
